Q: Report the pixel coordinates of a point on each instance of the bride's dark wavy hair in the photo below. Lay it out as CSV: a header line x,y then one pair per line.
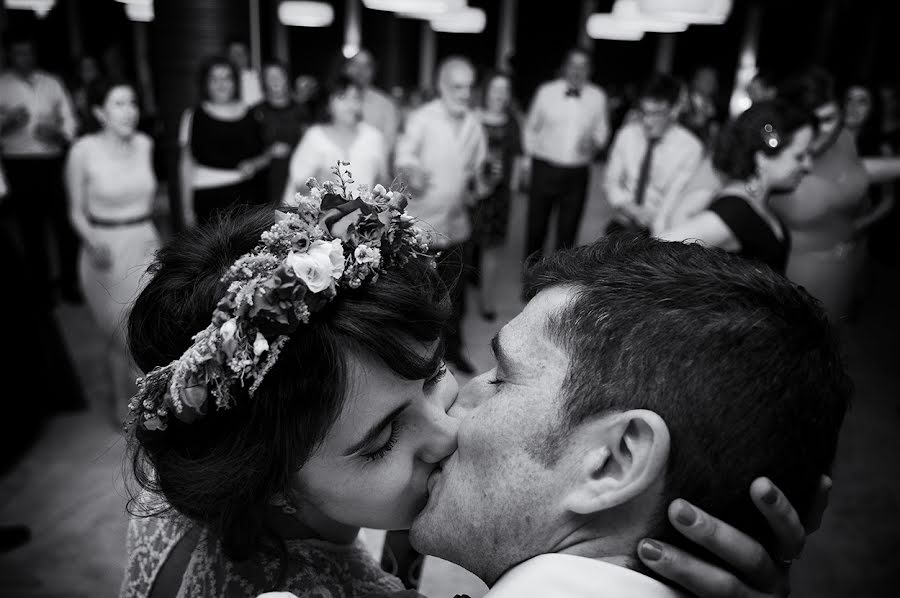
x,y
222,470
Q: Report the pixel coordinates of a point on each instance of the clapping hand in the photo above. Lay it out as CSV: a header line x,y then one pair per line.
x,y
279,149
13,119
415,178
48,132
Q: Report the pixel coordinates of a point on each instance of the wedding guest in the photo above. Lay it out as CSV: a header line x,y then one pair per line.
x,y
222,147
340,134
341,429
283,122
87,73
37,122
650,160
441,156
491,216
827,254
567,125
251,90
699,115
111,187
378,108
763,151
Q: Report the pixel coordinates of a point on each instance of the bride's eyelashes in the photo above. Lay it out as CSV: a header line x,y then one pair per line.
x,y
396,426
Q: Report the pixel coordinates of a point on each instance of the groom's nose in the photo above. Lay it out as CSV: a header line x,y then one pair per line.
x,y
469,398
442,438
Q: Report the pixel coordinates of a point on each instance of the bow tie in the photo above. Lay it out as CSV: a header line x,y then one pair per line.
x,y
573,92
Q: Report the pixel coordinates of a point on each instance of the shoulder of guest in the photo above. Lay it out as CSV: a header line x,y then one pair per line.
x,y
682,135
370,131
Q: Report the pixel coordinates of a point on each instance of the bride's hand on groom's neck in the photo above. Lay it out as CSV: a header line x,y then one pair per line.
x,y
754,572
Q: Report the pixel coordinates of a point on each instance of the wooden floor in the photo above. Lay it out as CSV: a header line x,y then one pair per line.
x,y
69,489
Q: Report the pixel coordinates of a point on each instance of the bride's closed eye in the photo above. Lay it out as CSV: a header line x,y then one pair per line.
x,y
396,426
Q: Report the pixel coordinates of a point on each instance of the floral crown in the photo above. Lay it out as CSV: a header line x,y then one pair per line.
x,y
295,270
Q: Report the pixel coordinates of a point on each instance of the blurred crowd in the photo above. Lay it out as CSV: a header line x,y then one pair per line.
x,y
803,180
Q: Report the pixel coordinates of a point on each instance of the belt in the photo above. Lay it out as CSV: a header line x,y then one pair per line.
x,y
107,223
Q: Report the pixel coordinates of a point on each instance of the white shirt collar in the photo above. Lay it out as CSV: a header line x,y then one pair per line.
x,y
569,576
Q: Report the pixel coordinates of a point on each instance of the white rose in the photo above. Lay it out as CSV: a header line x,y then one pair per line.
x,y
379,190
260,345
313,269
228,329
333,251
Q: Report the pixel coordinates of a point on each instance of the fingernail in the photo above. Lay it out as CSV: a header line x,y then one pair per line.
x,y
686,515
770,496
650,550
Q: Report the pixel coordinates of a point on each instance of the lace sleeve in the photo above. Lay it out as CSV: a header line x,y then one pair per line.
x,y
148,544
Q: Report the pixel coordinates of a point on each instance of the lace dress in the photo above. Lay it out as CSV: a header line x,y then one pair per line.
x,y
315,569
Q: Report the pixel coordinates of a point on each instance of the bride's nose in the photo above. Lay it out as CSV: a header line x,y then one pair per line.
x,y
440,442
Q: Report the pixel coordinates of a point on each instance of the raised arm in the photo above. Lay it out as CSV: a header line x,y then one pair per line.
x,y
706,228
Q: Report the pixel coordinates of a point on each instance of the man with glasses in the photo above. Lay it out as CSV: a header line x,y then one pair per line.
x,y
651,159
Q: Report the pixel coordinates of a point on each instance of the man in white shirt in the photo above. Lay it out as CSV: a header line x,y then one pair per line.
x,y
572,449
251,85
650,161
566,126
37,123
440,156
378,108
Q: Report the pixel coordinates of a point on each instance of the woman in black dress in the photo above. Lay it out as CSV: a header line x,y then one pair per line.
x,y
491,215
764,150
222,147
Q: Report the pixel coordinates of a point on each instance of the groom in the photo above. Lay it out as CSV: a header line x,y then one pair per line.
x,y
640,371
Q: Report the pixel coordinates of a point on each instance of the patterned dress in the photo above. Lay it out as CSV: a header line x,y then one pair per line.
x,y
491,215
314,568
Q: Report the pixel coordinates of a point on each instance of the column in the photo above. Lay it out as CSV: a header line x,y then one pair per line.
x,y
506,36
665,52
428,57
183,35
746,67
352,29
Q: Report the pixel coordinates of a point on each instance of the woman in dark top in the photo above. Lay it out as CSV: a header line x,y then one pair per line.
x,y
491,215
222,148
764,150
283,121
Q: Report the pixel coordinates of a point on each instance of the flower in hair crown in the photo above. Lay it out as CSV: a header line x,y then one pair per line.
x,y
298,267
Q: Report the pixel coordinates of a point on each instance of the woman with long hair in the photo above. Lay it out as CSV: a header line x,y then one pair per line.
x,y
491,214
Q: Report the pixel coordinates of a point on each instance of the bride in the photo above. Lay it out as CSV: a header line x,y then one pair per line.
x,y
295,392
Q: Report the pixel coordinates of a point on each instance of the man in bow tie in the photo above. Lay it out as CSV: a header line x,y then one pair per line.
x,y
566,126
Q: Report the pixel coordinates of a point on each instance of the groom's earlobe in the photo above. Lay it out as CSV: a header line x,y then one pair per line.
x,y
626,454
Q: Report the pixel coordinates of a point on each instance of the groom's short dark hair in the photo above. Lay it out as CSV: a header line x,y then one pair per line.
x,y
740,363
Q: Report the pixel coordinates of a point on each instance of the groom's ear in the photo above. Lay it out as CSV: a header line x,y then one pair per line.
x,y
626,453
